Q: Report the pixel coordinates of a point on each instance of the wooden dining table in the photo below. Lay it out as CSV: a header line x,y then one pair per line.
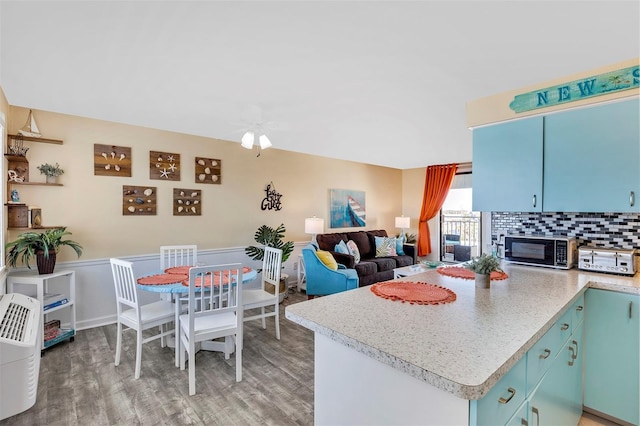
x,y
171,282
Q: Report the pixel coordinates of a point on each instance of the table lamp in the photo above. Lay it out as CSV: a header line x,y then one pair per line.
x,y
314,226
403,222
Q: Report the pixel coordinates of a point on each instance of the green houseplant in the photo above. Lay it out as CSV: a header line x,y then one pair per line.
x,y
272,237
483,265
42,245
51,172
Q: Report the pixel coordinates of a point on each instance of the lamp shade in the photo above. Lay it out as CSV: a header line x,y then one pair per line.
x,y
313,225
403,222
247,140
264,142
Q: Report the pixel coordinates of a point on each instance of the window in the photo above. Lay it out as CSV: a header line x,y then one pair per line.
x,y
459,226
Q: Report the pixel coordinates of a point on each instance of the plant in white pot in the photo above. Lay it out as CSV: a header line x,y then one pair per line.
x,y
51,172
483,266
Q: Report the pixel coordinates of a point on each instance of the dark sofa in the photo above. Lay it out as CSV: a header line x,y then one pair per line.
x,y
370,269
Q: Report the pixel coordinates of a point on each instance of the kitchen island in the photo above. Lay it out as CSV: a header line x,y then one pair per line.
x,y
382,362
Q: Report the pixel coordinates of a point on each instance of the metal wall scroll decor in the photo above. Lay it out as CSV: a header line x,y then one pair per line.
x,y
271,201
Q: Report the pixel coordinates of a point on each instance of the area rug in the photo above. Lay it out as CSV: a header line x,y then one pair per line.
x,y
413,292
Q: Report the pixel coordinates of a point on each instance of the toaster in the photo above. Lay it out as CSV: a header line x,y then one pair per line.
x,y
611,260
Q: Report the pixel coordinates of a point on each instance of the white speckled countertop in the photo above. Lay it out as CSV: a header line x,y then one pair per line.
x,y
463,347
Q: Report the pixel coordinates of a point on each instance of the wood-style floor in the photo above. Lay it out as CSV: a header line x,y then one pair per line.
x,y
80,385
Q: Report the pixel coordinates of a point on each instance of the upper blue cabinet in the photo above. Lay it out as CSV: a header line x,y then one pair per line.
x,y
583,160
592,159
507,166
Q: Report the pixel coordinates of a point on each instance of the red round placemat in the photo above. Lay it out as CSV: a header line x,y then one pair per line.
x,y
180,270
413,292
464,273
162,279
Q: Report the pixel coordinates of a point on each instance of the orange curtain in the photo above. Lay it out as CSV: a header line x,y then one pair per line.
x,y
436,187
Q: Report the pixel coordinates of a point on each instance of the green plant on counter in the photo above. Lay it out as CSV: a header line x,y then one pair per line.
x,y
484,264
271,237
28,244
49,170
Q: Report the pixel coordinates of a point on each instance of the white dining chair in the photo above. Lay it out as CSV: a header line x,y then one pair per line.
x,y
135,316
170,257
254,298
212,314
181,255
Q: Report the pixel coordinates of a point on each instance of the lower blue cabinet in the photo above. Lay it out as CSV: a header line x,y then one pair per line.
x,y
502,401
612,354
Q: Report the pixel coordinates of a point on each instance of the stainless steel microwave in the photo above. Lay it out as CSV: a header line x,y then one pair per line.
x,y
551,252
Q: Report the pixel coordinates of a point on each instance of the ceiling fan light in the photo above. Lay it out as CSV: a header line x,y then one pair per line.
x,y
265,142
247,140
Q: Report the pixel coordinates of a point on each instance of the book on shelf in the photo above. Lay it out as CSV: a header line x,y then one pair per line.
x,y
60,335
51,300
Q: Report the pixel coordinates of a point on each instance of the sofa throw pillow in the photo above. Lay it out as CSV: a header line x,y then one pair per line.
x,y
327,259
341,247
385,246
399,248
354,251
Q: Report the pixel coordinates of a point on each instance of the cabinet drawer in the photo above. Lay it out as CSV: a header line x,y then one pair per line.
x,y
502,401
577,310
541,355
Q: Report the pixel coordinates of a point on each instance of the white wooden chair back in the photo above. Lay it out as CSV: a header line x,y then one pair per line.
x,y
272,268
181,255
125,285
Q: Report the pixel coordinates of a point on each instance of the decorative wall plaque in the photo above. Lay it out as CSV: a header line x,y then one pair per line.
x,y
139,200
208,170
187,202
110,160
164,166
271,200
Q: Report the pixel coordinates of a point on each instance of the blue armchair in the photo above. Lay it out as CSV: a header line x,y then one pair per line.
x,y
322,280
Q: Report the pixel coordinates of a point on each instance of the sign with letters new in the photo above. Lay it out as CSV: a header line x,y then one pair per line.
x,y
602,84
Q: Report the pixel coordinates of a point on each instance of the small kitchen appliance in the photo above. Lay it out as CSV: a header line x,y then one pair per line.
x,y
612,260
552,252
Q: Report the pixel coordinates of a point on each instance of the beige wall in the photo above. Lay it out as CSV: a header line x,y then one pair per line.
x,y
91,206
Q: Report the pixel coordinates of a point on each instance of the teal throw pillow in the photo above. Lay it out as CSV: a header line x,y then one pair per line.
x,y
341,247
399,244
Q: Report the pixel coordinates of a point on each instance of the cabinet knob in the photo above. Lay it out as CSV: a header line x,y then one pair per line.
x,y
632,198
535,411
579,308
546,354
535,200
564,327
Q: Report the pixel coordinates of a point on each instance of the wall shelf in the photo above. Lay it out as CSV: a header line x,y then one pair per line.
x,y
32,139
34,183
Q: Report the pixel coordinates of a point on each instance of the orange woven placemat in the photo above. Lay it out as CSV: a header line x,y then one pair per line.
x,y
216,280
464,273
162,279
413,292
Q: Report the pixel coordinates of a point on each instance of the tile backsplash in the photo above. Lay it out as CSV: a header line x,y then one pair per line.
x,y
620,230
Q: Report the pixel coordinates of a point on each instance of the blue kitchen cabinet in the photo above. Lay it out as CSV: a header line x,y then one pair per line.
x,y
612,354
507,166
592,159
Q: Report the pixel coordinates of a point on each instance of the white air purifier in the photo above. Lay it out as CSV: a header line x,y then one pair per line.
x,y
20,327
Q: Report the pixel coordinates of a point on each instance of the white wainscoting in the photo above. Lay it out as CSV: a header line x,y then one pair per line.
x,y
95,294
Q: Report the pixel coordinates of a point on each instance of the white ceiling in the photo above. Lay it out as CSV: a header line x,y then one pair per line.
x,y
381,82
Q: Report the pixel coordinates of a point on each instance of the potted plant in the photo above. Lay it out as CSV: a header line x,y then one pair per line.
x,y
268,236
42,245
51,172
483,265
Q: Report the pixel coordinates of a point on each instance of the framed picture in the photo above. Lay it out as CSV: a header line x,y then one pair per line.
x,y
347,208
